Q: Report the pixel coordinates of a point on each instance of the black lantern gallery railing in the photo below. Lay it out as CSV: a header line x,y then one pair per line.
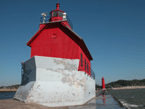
x,y
48,17
85,67
69,21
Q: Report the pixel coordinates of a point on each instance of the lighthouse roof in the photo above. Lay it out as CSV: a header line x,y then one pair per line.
x,y
57,8
61,25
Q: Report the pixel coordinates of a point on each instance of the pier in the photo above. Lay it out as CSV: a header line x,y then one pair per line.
x,y
100,102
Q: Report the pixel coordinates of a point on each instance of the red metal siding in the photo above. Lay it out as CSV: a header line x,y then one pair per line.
x,y
56,42
53,42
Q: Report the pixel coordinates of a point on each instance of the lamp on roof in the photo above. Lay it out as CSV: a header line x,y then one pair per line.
x,y
44,15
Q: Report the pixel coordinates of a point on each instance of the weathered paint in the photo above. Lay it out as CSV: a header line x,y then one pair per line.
x,y
57,83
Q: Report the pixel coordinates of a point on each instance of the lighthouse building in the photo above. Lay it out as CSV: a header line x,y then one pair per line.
x,y
58,72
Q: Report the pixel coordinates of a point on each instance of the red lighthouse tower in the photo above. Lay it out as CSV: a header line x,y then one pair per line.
x,y
103,83
59,70
55,38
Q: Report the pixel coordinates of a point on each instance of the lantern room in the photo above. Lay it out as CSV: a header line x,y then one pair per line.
x,y
57,14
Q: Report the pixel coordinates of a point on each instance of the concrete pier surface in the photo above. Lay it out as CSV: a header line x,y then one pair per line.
x,y
106,102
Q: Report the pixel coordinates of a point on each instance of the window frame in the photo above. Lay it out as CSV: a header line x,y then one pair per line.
x,y
81,60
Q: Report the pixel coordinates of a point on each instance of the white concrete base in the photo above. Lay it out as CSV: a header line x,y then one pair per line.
x,y
55,82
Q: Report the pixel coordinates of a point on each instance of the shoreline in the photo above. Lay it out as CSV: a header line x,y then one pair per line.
x,y
129,87
8,90
116,88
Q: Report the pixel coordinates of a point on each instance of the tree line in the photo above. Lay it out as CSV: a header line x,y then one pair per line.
x,y
10,87
123,83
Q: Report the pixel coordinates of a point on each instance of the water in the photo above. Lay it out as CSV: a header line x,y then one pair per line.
x,y
7,95
131,98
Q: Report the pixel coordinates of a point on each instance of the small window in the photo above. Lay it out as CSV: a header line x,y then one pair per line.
x,y
55,13
53,36
50,14
85,65
81,60
60,14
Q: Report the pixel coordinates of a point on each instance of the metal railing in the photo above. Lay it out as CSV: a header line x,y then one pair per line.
x,y
48,17
25,78
22,73
87,69
92,74
69,21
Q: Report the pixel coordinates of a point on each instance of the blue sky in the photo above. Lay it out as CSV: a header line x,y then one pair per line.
x,y
113,30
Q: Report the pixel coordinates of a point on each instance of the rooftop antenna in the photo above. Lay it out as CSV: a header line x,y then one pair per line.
x,y
44,15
